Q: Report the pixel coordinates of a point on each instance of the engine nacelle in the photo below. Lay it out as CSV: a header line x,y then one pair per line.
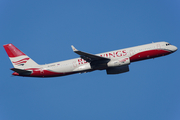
x,y
117,70
120,62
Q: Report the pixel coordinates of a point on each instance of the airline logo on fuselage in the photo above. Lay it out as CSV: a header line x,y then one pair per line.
x,y
118,53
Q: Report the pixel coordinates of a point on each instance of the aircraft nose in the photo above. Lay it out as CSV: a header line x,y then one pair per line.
x,y
174,48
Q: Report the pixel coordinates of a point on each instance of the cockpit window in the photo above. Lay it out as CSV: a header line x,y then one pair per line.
x,y
168,44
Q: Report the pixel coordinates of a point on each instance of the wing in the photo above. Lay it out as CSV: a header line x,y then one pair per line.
x,y
90,57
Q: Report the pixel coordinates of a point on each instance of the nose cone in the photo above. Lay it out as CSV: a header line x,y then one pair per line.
x,y
174,48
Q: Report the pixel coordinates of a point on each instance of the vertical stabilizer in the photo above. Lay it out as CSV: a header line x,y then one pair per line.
x,y
18,58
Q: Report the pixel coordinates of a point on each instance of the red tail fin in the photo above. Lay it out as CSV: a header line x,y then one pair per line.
x,y
12,51
18,58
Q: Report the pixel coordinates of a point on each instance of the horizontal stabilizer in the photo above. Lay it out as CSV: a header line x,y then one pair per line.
x,y
21,71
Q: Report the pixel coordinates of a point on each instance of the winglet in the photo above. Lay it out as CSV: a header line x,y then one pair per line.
x,y
73,48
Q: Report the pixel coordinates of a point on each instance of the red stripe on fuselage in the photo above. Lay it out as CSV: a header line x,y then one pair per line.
x,y
148,54
37,72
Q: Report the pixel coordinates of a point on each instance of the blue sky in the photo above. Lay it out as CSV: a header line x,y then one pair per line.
x,y
45,30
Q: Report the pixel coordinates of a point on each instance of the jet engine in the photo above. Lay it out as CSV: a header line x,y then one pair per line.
x,y
117,70
118,66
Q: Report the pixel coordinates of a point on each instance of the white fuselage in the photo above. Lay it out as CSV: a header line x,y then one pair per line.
x,y
114,62
78,64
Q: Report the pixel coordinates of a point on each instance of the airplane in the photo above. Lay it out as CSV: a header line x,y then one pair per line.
x,y
114,62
